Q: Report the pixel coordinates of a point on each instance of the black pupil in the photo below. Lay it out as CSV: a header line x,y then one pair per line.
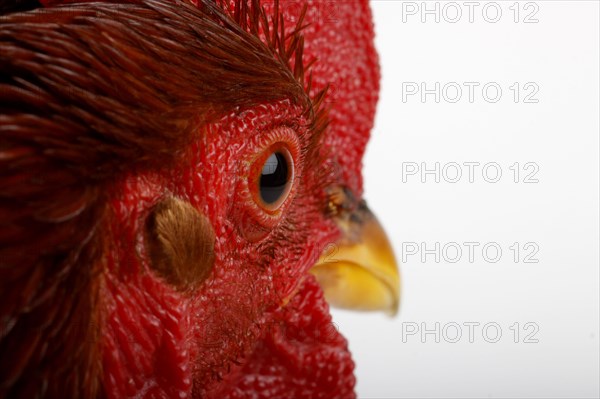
x,y
274,177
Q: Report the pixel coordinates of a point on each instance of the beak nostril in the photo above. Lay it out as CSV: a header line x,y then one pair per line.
x,y
180,243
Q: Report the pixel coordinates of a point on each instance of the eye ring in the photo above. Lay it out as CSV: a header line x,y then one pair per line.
x,y
271,177
256,218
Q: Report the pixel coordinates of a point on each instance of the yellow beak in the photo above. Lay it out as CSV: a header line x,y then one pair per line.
x,y
359,271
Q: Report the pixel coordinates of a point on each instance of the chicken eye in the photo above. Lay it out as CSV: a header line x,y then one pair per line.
x,y
274,181
274,178
271,174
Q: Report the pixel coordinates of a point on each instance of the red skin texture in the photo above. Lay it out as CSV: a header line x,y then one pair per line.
x,y
259,325
233,313
301,354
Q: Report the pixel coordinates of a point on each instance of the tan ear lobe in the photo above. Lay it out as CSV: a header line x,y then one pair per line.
x,y
180,243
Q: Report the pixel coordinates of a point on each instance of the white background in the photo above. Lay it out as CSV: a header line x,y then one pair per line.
x,y
559,214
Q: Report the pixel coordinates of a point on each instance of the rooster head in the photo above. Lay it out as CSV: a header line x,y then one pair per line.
x,y
181,190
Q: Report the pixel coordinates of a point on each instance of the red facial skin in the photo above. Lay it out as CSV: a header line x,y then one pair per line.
x,y
259,325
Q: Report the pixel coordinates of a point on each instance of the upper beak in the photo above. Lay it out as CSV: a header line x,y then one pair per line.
x,y
359,271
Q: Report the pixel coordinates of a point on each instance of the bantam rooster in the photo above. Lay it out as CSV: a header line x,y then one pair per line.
x,y
180,190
